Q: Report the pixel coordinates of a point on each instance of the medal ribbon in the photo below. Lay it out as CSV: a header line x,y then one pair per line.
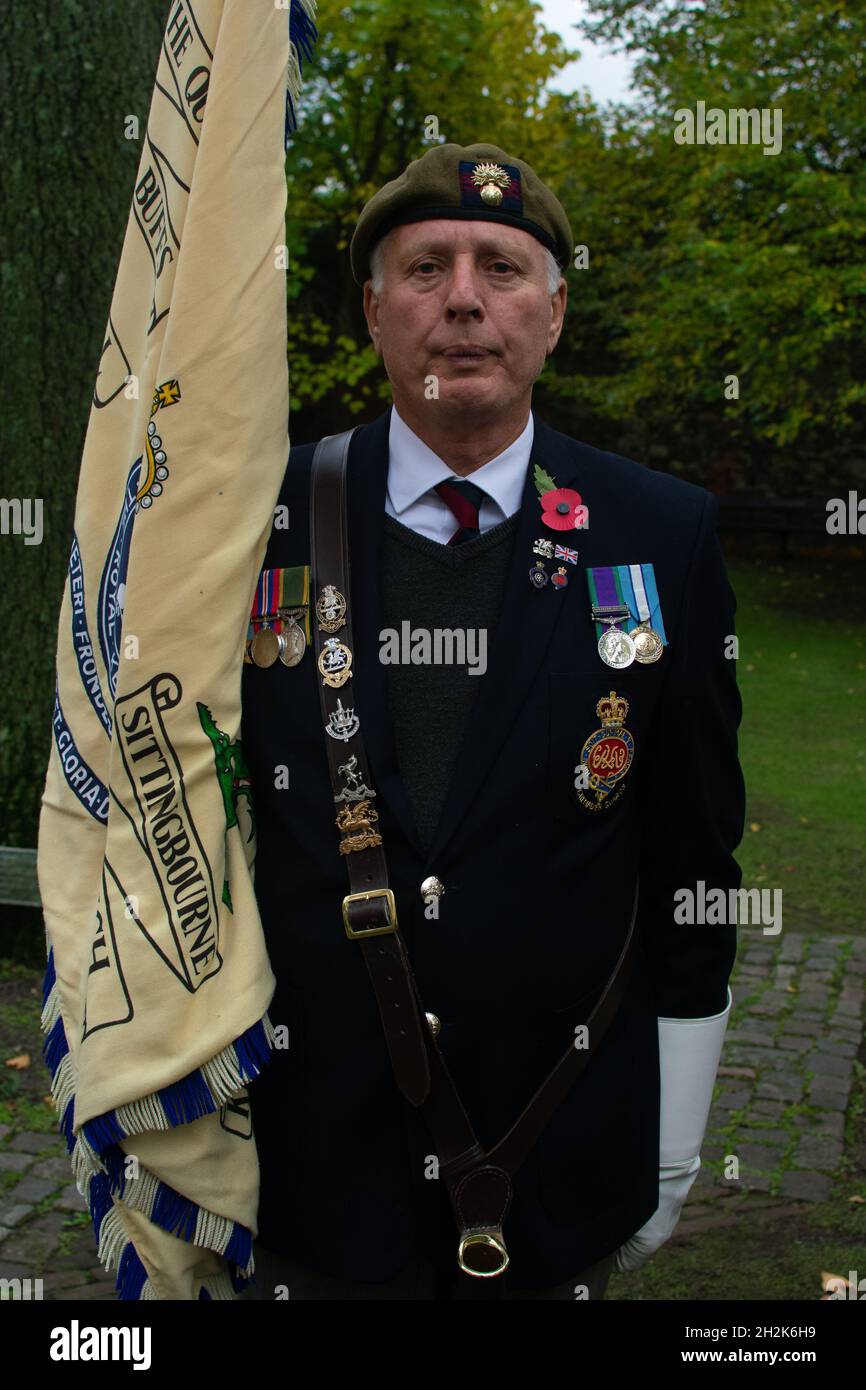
x,y
632,587
652,595
605,589
642,596
281,588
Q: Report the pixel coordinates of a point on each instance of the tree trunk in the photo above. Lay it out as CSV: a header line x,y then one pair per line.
x,y
71,73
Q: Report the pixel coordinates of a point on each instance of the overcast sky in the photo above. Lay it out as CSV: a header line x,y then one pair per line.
x,y
606,74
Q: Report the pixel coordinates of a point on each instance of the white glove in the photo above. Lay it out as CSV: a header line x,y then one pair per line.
x,y
675,1181
689,1052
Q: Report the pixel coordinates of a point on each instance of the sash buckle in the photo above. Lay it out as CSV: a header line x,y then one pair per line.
x,y
482,1254
388,927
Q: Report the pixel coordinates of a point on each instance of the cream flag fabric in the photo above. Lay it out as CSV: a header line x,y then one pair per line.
x,y
158,980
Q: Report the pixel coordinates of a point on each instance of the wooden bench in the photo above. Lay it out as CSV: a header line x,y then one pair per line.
x,y
19,886
780,516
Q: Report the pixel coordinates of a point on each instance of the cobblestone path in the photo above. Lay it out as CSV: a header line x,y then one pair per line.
x,y
784,1079
774,1140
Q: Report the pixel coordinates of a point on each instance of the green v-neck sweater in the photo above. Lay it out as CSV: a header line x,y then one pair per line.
x,y
432,586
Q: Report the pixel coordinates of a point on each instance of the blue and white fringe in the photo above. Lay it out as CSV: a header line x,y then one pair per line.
x,y
302,37
99,1162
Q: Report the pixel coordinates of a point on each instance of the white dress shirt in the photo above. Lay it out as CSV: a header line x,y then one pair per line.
x,y
414,469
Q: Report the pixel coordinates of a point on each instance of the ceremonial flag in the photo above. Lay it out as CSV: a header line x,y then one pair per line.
x,y
158,980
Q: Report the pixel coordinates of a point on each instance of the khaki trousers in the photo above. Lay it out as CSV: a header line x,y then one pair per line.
x,y
279,1278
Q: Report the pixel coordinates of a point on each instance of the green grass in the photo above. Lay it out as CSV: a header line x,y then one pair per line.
x,y
23,1103
802,675
765,1257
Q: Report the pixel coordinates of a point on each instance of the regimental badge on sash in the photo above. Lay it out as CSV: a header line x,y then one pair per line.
x,y
343,723
335,662
331,609
357,825
606,756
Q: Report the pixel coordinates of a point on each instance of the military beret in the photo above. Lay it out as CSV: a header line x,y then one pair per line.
x,y
466,182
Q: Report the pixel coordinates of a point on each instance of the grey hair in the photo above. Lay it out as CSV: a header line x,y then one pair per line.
x,y
377,267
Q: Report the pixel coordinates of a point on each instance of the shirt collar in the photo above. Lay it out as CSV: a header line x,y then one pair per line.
x,y
414,469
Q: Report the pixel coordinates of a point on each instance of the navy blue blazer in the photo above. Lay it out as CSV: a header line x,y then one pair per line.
x,y
538,887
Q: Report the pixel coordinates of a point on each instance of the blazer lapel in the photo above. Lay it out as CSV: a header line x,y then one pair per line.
x,y
521,637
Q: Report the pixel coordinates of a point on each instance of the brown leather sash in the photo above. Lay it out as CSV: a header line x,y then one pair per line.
x,y
478,1182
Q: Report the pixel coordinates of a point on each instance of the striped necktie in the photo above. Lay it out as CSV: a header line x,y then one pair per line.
x,y
464,499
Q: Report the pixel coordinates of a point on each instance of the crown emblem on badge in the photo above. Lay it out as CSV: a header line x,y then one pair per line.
x,y
491,179
612,708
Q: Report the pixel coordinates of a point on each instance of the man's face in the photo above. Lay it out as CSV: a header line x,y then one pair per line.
x,y
468,304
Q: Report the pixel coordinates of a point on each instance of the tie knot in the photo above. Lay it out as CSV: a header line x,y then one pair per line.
x,y
464,499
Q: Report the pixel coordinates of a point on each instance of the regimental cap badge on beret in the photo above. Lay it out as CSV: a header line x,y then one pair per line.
x,y
478,182
485,184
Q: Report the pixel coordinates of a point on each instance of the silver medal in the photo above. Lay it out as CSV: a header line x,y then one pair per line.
x,y
616,648
294,643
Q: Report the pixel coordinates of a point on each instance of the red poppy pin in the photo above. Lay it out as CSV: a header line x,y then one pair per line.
x,y
562,509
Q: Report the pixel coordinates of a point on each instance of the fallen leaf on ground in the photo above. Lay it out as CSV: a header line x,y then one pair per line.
x,y
19,1063
834,1285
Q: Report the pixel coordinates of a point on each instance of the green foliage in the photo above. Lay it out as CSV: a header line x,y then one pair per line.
x,y
481,68
712,260
705,261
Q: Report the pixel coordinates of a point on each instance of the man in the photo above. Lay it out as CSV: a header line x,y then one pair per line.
x,y
523,790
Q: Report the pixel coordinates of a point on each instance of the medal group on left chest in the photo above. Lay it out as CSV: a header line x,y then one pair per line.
x,y
625,607
619,594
